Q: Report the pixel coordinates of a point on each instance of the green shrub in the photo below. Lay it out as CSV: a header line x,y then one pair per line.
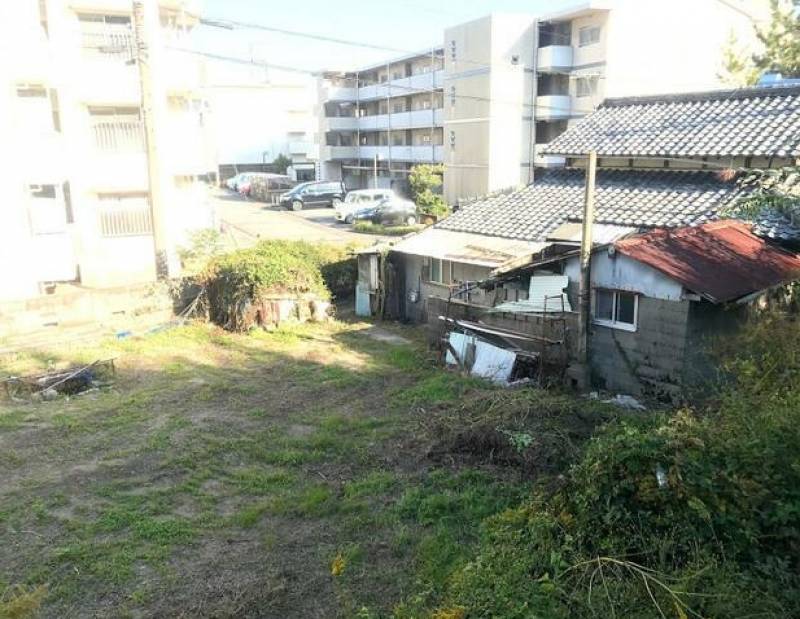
x,y
667,514
203,246
367,227
237,280
426,181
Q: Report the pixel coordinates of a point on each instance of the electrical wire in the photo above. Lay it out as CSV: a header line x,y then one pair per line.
x,y
318,74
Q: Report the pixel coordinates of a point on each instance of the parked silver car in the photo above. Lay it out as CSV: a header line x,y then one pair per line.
x,y
358,200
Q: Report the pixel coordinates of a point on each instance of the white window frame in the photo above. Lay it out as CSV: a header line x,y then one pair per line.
x,y
592,36
614,323
443,264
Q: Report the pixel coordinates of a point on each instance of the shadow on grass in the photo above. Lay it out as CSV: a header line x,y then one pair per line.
x,y
222,466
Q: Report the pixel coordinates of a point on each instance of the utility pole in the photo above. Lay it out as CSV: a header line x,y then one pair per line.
x,y
585,289
146,23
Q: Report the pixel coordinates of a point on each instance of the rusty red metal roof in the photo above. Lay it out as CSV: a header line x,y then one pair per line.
x,y
721,261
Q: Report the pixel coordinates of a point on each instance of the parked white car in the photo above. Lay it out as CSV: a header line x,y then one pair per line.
x,y
359,200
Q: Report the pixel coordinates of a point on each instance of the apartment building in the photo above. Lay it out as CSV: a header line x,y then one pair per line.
x,y
505,84
77,186
262,113
387,117
514,84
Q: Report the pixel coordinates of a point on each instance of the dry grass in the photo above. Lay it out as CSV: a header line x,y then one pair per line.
x,y
223,474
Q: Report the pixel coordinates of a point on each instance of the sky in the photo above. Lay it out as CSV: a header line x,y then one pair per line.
x,y
410,25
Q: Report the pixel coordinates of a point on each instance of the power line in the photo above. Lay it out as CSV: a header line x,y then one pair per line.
x,y
318,74
231,25
573,113
267,65
739,10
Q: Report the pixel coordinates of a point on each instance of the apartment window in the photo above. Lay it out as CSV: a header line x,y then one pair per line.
x,y
616,309
117,129
398,107
108,36
397,75
453,50
31,92
588,35
398,139
46,211
54,109
68,202
38,109
587,86
124,214
441,271
426,139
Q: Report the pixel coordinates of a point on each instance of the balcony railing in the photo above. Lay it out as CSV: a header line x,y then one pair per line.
x,y
119,136
110,43
341,123
553,107
555,58
403,86
402,120
128,217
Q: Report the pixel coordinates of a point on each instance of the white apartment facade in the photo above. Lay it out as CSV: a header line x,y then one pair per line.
x,y
260,114
77,205
387,116
509,83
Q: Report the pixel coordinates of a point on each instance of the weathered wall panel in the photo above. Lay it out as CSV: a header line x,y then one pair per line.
x,y
649,361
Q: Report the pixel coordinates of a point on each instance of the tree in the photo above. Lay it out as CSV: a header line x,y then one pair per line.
x,y
281,163
780,42
769,192
425,180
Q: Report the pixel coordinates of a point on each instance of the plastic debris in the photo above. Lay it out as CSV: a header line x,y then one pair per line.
x,y
627,402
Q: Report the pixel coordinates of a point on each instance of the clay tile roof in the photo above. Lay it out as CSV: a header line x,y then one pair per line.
x,y
636,198
721,261
747,122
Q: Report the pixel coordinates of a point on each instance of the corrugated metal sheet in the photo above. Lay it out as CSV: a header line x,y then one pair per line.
x,y
477,249
491,362
722,261
545,295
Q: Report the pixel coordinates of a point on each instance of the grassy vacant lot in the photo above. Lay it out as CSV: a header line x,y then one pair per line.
x,y
267,475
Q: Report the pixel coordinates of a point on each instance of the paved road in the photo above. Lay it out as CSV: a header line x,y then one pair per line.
x,y
246,222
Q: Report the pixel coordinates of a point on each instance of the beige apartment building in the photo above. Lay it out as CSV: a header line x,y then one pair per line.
x,y
76,181
505,84
513,84
387,117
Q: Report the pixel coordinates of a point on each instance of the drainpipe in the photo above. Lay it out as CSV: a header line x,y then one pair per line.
x,y
534,95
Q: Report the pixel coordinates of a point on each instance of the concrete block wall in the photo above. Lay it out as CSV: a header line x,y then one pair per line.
x,y
648,362
77,307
